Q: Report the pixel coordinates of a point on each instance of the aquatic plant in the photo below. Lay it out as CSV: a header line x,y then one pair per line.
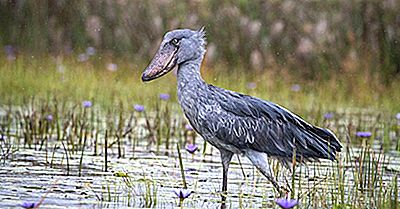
x,y
138,108
286,203
295,87
351,180
192,148
164,96
251,85
49,118
188,127
182,193
29,205
329,115
9,49
87,104
10,52
112,67
90,51
363,134
181,166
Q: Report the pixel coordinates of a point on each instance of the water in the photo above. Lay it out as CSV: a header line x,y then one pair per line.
x,y
27,177
146,176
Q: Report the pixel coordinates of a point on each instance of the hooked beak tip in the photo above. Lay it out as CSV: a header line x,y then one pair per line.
x,y
145,78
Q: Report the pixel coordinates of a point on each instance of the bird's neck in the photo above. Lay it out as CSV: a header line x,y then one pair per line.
x,y
189,75
191,87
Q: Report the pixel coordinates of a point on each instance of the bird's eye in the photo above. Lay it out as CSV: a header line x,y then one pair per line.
x,y
175,42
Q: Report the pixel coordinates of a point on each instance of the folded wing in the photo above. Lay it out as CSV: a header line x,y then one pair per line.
x,y
251,123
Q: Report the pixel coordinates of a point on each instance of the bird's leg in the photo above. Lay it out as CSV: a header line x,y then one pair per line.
x,y
226,157
260,160
281,189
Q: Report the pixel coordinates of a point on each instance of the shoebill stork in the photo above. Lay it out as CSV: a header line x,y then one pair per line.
x,y
232,122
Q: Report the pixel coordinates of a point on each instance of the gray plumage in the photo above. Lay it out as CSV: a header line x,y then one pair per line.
x,y
232,122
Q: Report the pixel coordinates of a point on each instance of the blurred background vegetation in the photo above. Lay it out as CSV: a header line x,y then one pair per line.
x,y
302,36
357,40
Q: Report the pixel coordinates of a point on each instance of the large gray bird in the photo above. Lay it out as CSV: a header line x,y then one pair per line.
x,y
232,122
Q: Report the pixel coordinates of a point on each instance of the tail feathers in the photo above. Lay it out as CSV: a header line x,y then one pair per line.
x,y
316,143
328,143
330,138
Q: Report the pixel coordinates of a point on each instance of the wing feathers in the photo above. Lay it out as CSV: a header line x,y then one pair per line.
x,y
267,127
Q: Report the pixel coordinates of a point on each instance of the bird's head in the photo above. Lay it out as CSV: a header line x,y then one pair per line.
x,y
177,47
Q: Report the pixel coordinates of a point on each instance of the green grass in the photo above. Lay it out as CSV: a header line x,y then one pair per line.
x,y
41,78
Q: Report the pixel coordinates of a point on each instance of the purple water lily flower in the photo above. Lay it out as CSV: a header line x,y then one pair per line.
x,y
164,97
191,148
49,117
329,115
286,203
29,205
90,51
296,87
363,134
398,116
138,108
9,49
112,67
86,104
188,127
251,85
182,193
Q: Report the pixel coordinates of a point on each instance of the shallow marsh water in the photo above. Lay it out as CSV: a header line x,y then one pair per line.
x,y
146,176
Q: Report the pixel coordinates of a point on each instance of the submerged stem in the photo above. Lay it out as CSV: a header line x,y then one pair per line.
x,y
181,165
